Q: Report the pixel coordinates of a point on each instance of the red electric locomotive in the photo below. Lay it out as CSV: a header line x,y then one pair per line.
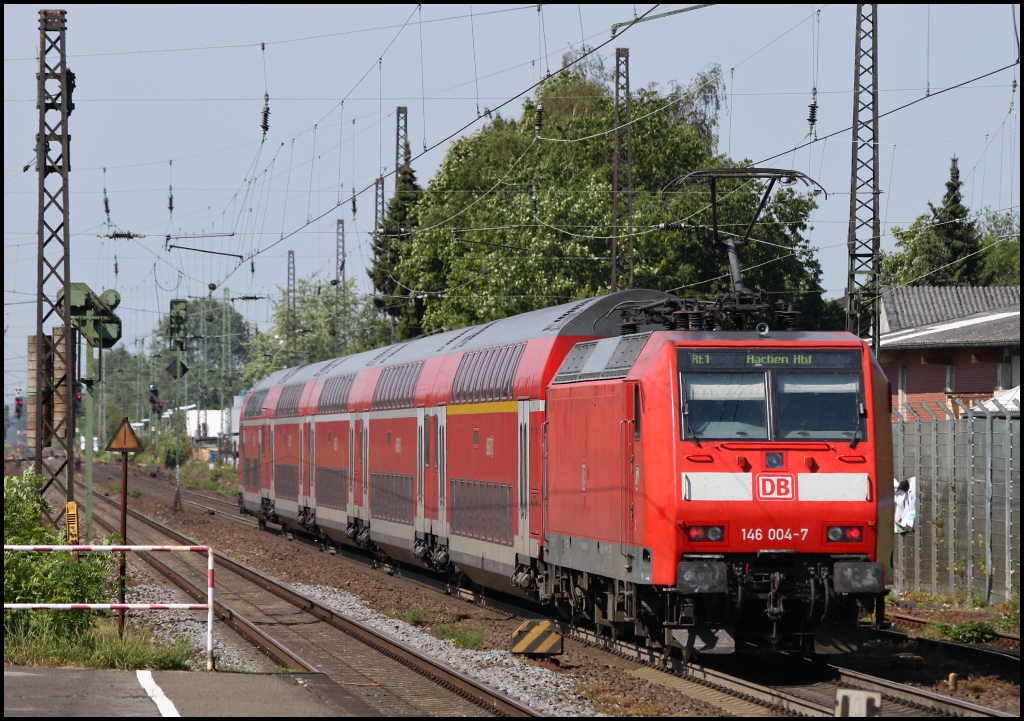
x,y
696,488
701,489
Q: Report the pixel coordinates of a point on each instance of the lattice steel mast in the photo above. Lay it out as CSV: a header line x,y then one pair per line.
x,y
402,151
55,84
622,177
340,286
292,322
864,237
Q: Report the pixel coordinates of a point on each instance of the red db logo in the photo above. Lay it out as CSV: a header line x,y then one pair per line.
x,y
776,488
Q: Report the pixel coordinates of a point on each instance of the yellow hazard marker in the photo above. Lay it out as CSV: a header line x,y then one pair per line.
x,y
71,515
537,638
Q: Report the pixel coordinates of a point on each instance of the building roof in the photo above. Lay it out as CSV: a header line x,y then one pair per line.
x,y
913,307
1000,327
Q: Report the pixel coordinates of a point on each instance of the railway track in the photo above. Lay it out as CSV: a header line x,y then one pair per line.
x,y
736,691
1002,641
311,637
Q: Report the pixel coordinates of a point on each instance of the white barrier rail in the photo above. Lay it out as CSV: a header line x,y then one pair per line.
x,y
208,606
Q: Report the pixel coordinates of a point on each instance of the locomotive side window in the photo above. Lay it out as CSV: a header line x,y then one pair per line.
x,y
725,405
819,406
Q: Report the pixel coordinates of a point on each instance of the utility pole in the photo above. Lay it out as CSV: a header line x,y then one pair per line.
x,y
54,85
225,377
339,283
863,241
402,152
292,329
622,177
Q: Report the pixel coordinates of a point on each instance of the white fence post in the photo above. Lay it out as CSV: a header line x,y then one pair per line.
x,y
208,606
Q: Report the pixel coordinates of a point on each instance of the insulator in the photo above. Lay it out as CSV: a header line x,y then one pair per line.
x,y
115,266
252,267
170,199
353,203
106,205
393,231
628,327
812,113
538,122
266,115
670,226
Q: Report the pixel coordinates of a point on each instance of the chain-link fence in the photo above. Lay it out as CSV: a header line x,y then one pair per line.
x,y
966,539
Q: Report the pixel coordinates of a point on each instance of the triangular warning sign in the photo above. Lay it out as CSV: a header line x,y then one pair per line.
x,y
124,440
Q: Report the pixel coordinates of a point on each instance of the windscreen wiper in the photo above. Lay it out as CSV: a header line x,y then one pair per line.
x,y
689,428
858,410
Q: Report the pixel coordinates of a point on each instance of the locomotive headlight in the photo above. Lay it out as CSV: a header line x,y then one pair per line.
x,y
714,534
845,534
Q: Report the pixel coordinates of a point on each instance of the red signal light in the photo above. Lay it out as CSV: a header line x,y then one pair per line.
x,y
853,533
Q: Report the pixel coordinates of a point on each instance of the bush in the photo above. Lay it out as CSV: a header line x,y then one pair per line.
x,y
45,577
971,632
173,449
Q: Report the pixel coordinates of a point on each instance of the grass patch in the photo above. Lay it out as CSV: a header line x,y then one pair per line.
x,y
461,636
603,700
99,647
924,598
221,478
411,616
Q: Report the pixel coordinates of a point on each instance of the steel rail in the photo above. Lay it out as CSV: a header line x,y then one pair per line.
x,y
469,688
261,640
1010,640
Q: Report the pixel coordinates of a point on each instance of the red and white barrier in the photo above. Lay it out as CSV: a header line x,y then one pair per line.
x,y
208,606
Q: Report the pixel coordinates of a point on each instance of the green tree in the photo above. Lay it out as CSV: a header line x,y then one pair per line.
x,y
360,324
940,247
212,382
1000,232
515,220
393,298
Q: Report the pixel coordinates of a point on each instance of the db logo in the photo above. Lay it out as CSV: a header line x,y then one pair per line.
x,y
776,488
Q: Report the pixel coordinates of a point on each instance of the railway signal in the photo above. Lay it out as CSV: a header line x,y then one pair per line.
x,y
154,396
19,402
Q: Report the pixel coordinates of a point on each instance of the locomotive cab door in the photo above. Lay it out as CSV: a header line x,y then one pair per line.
x,y
629,472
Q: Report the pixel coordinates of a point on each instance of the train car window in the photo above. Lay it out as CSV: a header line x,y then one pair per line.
x,y
820,406
510,376
490,385
460,377
721,406
499,377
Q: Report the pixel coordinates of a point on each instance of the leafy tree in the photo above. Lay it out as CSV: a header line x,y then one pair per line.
x,y
211,382
359,325
515,220
940,247
1000,231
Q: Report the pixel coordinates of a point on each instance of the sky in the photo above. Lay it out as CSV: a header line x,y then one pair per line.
x,y
169,99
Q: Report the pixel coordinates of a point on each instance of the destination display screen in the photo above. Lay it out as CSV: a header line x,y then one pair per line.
x,y
768,358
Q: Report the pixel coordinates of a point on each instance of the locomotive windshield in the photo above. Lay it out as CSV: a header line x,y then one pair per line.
x,y
818,406
771,394
727,405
